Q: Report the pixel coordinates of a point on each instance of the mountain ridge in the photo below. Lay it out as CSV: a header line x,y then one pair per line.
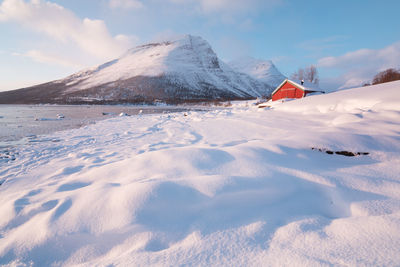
x,y
181,70
263,70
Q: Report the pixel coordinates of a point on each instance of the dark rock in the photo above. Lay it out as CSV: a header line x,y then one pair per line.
x,y
346,153
342,153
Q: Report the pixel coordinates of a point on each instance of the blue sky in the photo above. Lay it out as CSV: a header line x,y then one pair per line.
x,y
349,41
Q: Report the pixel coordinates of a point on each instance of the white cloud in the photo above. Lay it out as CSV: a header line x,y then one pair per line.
x,y
125,4
62,25
50,59
321,44
230,6
238,13
222,5
361,65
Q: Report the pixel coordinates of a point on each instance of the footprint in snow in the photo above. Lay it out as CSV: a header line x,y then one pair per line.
x,y
20,203
72,170
72,186
63,208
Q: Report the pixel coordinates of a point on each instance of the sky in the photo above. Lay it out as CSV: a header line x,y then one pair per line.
x,y
348,40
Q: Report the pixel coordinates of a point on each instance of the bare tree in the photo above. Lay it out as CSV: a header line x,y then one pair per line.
x,y
309,74
385,76
298,75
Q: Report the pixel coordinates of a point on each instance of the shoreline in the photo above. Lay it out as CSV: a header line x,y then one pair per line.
x,y
29,130
18,122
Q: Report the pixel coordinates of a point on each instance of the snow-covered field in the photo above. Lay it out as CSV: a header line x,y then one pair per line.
x,y
230,187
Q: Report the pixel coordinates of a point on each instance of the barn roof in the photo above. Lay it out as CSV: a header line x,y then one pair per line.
x,y
307,86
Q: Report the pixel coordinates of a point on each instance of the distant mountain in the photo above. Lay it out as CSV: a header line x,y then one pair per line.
x,y
263,70
186,69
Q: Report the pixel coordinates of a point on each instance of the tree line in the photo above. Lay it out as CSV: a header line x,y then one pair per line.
x,y
385,76
310,74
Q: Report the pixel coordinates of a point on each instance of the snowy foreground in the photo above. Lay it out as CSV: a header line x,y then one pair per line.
x,y
231,187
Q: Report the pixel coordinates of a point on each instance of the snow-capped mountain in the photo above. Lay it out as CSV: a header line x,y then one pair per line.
x,y
263,70
177,70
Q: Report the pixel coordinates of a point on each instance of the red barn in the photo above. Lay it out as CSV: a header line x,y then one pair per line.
x,y
291,89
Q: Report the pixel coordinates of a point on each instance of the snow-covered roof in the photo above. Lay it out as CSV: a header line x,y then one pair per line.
x,y
307,86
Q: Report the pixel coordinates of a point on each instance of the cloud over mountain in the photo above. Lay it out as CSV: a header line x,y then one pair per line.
x,y
361,65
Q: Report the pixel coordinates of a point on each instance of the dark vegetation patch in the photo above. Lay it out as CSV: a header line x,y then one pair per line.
x,y
385,76
342,152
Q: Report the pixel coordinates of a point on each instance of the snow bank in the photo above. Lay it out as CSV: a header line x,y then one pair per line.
x,y
238,186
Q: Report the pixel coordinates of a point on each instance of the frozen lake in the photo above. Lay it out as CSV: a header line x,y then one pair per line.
x,y
23,123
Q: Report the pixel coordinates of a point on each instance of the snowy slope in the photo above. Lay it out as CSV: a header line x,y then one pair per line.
x,y
229,187
182,69
263,70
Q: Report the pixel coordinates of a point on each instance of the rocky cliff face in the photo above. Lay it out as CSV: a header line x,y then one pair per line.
x,y
186,69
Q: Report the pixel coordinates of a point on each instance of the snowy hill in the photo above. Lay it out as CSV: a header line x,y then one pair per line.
x,y
175,70
226,187
263,70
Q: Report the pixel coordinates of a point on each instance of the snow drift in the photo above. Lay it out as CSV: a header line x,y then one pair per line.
x,y
227,187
